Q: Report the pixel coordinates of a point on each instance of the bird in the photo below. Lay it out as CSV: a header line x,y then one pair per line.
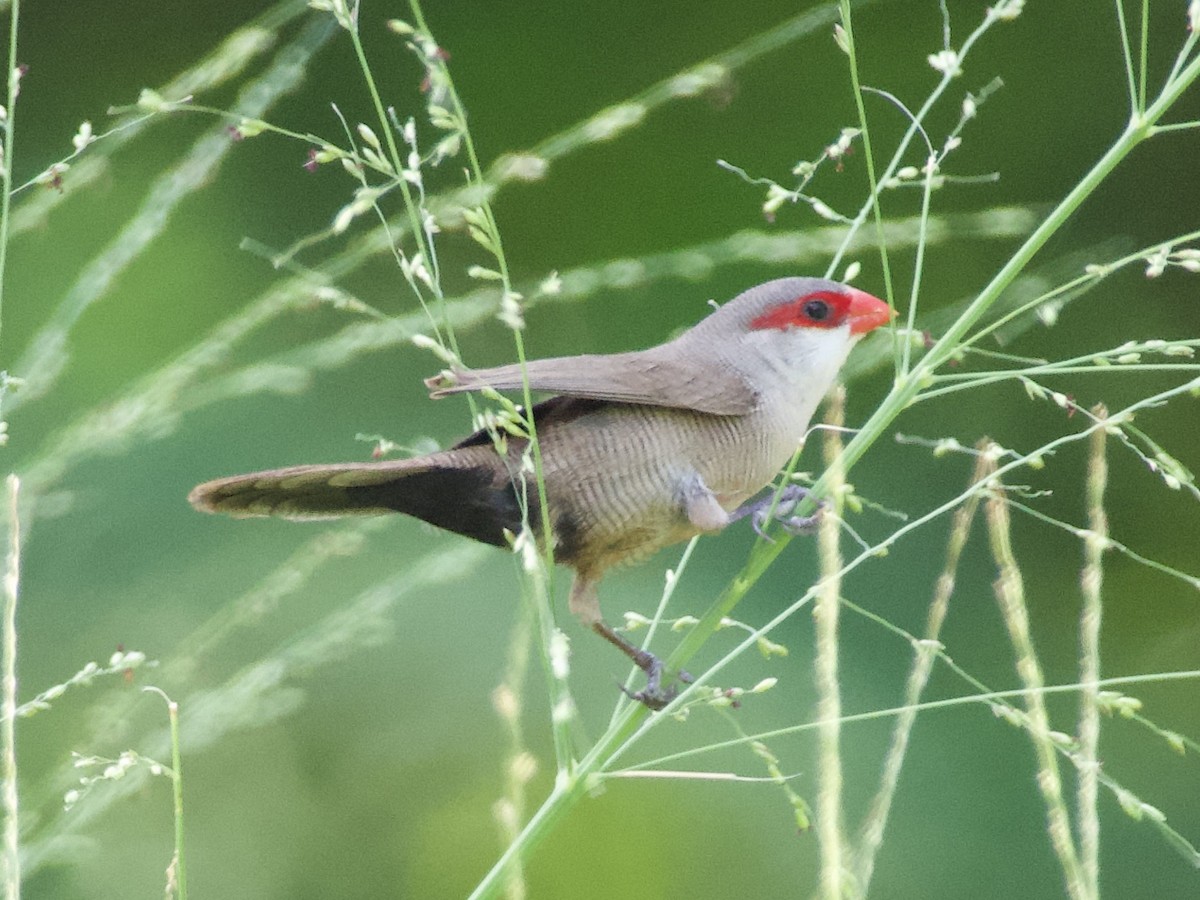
x,y
638,450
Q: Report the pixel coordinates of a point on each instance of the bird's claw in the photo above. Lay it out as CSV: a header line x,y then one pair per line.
x,y
789,498
653,695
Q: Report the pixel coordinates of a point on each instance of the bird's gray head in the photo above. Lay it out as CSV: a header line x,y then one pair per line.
x,y
800,303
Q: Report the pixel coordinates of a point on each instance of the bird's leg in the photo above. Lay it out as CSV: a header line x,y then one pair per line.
x,y
585,604
789,498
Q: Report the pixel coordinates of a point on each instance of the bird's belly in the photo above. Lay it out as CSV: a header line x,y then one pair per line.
x,y
613,478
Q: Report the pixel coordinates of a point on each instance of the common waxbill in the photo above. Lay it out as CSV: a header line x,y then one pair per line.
x,y
639,450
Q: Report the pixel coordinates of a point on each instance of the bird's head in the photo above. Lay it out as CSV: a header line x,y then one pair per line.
x,y
789,337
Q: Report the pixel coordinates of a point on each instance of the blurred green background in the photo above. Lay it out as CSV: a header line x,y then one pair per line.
x,y
360,756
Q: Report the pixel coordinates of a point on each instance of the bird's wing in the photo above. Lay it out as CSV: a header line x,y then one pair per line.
x,y
644,377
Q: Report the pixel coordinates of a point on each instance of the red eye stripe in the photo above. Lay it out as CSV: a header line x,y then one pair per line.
x,y
806,312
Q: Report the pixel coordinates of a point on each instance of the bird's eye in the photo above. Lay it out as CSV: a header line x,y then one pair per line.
x,y
816,310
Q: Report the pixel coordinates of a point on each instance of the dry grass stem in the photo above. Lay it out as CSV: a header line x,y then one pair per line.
x,y
1010,594
829,706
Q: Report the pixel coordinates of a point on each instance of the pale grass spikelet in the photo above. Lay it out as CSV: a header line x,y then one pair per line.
x,y
327,153
506,704
635,621
523,767
151,101
1193,16
506,814
769,648
248,128
842,145
522,167
425,342
511,313
763,686
413,267
946,62
1006,10
446,148
83,136
851,272
1176,742
560,654
1118,704
364,200
1156,263
525,546
483,273
440,117
840,38
53,176
128,659
1047,313
564,711
777,195
698,80
825,211
609,123
551,285
368,136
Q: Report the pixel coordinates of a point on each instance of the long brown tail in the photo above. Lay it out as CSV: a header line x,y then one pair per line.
x,y
465,491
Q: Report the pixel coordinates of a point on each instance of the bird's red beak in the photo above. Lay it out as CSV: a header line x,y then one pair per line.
x,y
866,312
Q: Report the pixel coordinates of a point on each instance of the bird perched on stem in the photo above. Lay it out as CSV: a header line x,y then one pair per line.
x,y
638,450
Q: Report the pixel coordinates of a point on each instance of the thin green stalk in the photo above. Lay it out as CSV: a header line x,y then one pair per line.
x,y
509,810
177,799
1131,82
1143,55
1091,583
868,156
8,740
177,871
831,837
6,151
1010,594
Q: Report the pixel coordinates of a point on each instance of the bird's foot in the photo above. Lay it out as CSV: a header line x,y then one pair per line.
x,y
653,695
783,513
